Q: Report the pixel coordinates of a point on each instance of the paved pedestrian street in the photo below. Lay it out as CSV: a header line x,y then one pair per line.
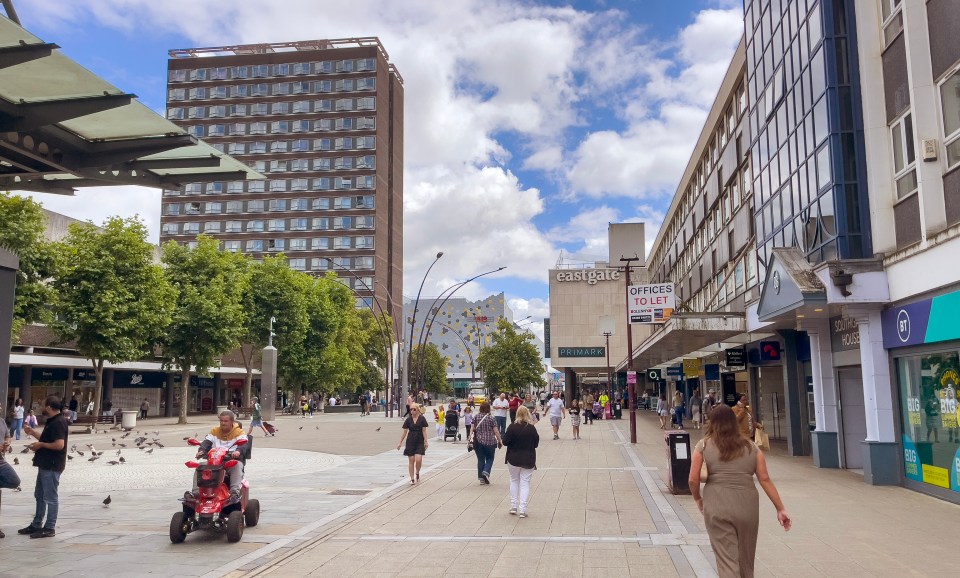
x,y
599,507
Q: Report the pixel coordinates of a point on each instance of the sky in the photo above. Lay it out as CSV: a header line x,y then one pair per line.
x,y
529,125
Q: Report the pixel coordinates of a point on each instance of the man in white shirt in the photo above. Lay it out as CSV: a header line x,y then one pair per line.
x,y
556,411
501,406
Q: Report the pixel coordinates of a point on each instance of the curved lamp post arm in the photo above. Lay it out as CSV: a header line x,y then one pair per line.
x,y
452,289
416,303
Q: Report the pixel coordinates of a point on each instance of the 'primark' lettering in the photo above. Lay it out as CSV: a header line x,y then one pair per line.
x,y
581,352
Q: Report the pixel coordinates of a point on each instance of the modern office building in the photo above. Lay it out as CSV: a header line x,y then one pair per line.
x,y
323,119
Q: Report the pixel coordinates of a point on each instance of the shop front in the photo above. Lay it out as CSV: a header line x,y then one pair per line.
x,y
132,388
924,343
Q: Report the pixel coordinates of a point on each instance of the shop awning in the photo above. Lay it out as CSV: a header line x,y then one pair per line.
x,y
684,334
791,284
63,127
36,360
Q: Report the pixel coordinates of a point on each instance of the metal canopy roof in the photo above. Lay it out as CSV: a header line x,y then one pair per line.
x,y
62,126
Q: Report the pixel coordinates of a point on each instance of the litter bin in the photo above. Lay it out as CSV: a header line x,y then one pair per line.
x,y
617,411
128,420
678,460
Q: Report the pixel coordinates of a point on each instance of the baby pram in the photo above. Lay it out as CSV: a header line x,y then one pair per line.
x,y
451,425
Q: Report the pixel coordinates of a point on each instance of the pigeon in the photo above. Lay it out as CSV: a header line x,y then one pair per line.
x,y
118,452
113,462
150,451
69,457
16,461
122,445
107,501
122,461
114,440
25,450
73,448
158,444
93,459
301,427
156,433
186,438
81,453
378,429
318,428
125,435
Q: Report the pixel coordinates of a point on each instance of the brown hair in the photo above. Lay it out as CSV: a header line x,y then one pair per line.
x,y
485,407
725,434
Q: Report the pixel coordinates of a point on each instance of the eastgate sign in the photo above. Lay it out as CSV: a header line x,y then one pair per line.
x,y
591,276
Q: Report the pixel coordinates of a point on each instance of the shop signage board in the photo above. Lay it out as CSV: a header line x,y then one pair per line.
x,y
675,371
691,367
546,335
588,276
711,372
928,321
844,334
631,377
581,352
648,304
654,375
736,357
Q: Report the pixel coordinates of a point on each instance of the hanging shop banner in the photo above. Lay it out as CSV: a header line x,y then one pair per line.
x,y
736,357
546,335
631,377
711,372
653,375
675,371
691,367
650,303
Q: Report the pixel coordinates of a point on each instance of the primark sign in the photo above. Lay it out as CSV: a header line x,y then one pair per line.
x,y
581,352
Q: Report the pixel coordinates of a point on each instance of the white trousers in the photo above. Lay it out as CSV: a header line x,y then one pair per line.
x,y
519,486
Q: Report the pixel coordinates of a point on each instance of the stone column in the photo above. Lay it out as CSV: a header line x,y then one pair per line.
x,y
793,392
25,393
171,395
268,383
107,388
9,263
881,450
825,440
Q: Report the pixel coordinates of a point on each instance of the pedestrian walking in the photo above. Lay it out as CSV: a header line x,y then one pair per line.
x,y
8,476
414,432
74,404
662,410
468,419
730,503
363,404
18,411
500,408
707,406
439,414
521,439
745,417
695,406
574,412
515,402
588,408
604,399
410,402
555,410
543,400
486,440
678,409
50,459
256,418
531,405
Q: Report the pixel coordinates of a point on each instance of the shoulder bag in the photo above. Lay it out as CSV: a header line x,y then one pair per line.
x,y
704,474
473,431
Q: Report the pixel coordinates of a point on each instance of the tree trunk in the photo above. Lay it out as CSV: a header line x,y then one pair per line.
x,y
184,392
248,382
98,390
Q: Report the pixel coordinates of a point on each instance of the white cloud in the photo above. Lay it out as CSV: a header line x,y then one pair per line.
x,y
95,204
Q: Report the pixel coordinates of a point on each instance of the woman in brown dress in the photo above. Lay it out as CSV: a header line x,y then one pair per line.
x,y
730,503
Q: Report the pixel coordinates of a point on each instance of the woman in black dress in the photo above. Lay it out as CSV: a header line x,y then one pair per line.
x,y
417,443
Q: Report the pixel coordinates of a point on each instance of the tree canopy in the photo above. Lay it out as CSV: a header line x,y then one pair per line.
x,y
208,319
512,361
428,369
22,233
112,299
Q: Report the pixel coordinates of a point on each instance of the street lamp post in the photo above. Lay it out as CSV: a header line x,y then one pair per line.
x,y
391,393
405,376
446,294
606,335
631,387
380,323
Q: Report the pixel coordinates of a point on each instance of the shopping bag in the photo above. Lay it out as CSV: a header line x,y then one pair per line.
x,y
762,439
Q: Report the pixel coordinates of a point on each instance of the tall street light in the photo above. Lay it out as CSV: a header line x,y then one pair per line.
x,y
395,315
631,387
405,376
446,294
380,323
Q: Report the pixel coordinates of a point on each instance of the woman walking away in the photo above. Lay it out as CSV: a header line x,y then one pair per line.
x,y
256,418
574,412
662,411
695,403
521,439
486,440
730,503
414,431
678,409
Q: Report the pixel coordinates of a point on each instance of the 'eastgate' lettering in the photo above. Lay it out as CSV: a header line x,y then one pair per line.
x,y
591,276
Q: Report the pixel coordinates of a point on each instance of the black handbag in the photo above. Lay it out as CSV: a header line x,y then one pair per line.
x,y
469,447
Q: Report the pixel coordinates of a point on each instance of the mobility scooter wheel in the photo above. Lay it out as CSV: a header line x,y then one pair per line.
x,y
252,514
177,535
235,526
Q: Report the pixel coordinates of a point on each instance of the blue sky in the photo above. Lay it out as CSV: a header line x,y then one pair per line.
x,y
528,125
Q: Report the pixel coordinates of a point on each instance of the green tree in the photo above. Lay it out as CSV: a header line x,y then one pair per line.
x,y
208,319
21,231
112,299
429,369
512,361
275,290
378,336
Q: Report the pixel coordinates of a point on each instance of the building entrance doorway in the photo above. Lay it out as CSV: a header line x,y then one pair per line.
x,y
853,417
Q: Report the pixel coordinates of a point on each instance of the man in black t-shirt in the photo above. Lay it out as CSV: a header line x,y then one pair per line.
x,y
50,459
